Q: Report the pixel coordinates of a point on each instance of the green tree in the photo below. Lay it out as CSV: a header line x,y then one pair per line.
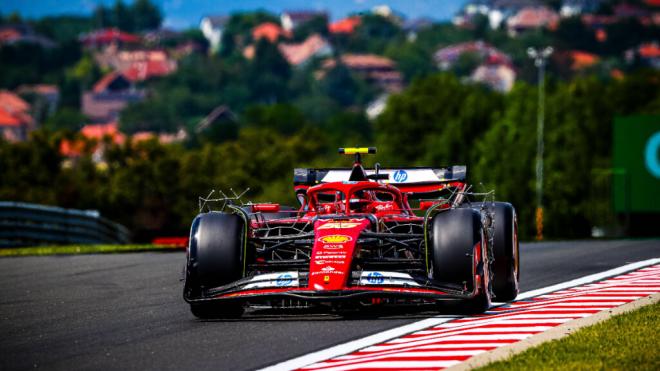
x,y
146,15
348,129
435,120
466,63
122,17
102,17
316,25
66,119
412,60
268,73
281,118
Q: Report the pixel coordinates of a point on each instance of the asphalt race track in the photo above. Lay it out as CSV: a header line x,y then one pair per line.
x,y
126,311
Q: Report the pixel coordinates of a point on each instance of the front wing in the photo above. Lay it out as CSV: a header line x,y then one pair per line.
x,y
364,285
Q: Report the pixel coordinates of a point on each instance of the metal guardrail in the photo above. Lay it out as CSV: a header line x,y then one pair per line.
x,y
25,224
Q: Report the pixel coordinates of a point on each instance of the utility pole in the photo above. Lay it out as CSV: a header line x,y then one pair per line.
x,y
540,57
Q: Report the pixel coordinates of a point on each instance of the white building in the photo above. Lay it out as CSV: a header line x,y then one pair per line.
x,y
290,20
212,28
499,77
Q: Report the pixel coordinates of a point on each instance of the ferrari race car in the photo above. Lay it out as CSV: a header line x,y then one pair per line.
x,y
354,240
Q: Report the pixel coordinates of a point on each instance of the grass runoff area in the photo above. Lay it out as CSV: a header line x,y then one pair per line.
x,y
82,249
627,341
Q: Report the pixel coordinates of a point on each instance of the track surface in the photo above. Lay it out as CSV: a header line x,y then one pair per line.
x,y
126,311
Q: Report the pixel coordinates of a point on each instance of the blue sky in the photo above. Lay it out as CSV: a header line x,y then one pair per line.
x,y
184,13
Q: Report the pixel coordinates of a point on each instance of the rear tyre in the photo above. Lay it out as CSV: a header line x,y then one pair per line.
x,y
506,252
214,259
453,237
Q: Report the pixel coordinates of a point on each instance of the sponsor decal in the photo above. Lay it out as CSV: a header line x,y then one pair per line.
x,y
400,176
331,272
332,246
375,278
284,279
326,270
651,158
342,257
339,254
339,225
335,238
323,262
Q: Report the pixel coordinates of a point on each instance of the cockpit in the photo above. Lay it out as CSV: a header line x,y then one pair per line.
x,y
362,198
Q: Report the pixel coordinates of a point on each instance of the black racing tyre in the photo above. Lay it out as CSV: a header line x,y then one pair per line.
x,y
506,272
453,235
214,259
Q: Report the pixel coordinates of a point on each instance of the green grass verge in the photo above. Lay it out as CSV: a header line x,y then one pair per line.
x,y
81,249
627,341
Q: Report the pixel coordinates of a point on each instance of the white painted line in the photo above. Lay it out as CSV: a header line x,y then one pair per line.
x,y
541,316
394,365
352,346
439,346
586,304
414,353
446,338
506,321
588,279
508,329
363,358
495,328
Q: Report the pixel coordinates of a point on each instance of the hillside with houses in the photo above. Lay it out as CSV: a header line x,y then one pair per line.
x,y
303,58
96,90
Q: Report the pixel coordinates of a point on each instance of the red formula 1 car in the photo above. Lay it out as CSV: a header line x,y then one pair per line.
x,y
355,239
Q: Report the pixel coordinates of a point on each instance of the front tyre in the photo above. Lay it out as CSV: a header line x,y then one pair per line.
x,y
459,253
214,259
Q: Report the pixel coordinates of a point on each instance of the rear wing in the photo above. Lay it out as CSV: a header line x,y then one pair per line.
x,y
413,180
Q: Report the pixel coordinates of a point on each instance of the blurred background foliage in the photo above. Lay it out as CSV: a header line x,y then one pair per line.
x,y
288,117
436,121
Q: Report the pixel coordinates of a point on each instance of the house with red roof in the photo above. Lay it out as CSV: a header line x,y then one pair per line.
x,y
345,26
108,36
23,33
94,136
446,57
269,31
375,69
137,65
649,53
301,53
111,94
15,119
163,138
100,131
581,59
532,17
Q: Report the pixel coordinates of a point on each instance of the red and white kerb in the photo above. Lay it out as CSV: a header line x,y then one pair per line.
x,y
450,343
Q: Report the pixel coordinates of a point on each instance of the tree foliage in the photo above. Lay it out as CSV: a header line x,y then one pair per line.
x,y
141,15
